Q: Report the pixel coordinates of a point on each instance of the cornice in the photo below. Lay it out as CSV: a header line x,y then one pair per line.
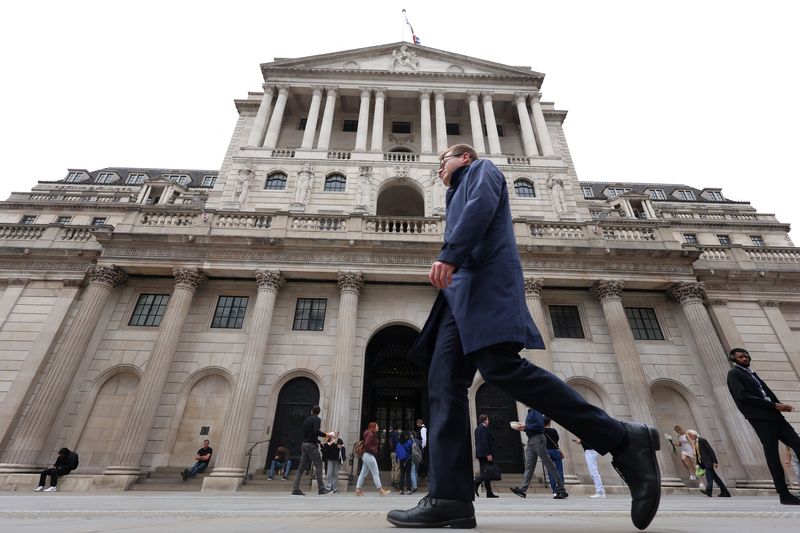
x,y
372,74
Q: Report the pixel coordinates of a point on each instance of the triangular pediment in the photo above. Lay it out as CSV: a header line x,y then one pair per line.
x,y
402,58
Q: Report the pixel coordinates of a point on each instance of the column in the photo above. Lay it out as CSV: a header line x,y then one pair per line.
x,y
724,324
350,285
230,459
733,429
475,122
377,120
363,120
540,125
260,124
311,118
274,129
148,395
32,430
637,386
533,298
528,140
441,121
491,124
784,333
327,119
425,120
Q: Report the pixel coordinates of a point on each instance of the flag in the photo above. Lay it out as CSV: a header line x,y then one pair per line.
x,y
414,37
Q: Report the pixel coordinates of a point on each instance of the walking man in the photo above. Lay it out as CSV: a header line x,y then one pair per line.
x,y
707,460
591,464
484,450
480,321
309,453
762,409
537,448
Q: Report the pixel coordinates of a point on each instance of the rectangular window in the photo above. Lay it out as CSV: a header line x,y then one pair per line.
x,y
135,179
690,238
105,177
657,194
587,192
617,191
64,220
28,219
149,310
98,221
230,312
350,126
715,196
302,124
209,181
724,239
401,127
72,177
644,323
757,240
309,315
453,128
686,195
566,321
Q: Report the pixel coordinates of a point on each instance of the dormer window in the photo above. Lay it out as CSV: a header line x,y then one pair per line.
x,y
657,194
715,196
587,192
135,179
612,192
74,177
209,181
106,177
180,179
685,194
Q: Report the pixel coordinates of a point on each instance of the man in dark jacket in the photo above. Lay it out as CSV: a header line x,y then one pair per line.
x,y
480,321
309,453
484,450
762,409
707,460
534,449
66,462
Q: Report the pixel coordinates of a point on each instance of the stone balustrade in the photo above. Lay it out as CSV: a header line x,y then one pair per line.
x,y
400,157
225,220
518,160
773,255
628,233
282,154
557,231
55,197
318,223
27,232
339,155
402,225
165,218
76,233
711,216
714,254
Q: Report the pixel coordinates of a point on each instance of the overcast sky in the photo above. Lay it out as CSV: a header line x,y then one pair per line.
x,y
703,93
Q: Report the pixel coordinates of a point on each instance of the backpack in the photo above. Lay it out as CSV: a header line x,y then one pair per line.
x,y
416,453
359,448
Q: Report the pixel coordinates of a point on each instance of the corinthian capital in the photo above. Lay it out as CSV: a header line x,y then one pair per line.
x,y
366,92
110,276
424,94
350,281
521,96
533,286
684,293
472,96
607,289
283,89
187,278
380,92
270,280
269,88
439,94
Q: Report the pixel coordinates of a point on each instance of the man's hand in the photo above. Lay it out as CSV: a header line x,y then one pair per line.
x,y
441,274
716,466
784,407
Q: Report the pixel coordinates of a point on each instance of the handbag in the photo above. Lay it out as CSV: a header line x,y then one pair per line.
x,y
555,444
492,473
699,471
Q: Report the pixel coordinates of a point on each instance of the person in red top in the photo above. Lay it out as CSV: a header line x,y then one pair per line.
x,y
369,460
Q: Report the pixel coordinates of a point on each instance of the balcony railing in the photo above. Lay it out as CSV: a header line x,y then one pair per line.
x,y
400,157
556,231
402,225
773,255
318,223
26,232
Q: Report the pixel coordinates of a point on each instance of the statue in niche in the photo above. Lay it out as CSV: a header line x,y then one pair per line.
x,y
404,58
302,191
243,179
556,185
438,192
364,189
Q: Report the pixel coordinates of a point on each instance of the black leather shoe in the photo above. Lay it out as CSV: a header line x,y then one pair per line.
x,y
638,467
298,492
706,492
477,486
519,492
491,495
790,499
560,495
435,512
725,494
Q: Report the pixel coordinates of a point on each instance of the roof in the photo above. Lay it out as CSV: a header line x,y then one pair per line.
x,y
123,173
643,188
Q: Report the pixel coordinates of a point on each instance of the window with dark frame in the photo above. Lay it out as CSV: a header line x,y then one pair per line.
x,y
644,324
724,239
566,321
335,183
453,128
309,315
209,181
690,238
350,126
28,219
99,221
135,179
276,181
657,194
73,177
230,312
302,124
715,196
401,127
686,195
587,192
64,220
757,240
524,189
149,310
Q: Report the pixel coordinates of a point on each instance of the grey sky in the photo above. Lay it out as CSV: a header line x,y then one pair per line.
x,y
702,93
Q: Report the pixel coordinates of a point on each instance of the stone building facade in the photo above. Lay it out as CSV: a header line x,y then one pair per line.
x,y
143,310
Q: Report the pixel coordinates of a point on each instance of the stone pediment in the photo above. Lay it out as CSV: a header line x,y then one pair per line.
x,y
401,58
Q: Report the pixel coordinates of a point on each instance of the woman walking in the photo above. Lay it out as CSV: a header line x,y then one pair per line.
x,y
369,460
687,451
404,458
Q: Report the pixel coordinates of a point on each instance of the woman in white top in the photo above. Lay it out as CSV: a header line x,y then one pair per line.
x,y
687,450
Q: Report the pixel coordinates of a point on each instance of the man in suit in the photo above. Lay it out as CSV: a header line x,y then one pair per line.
x,y
480,321
484,449
707,460
762,409
537,448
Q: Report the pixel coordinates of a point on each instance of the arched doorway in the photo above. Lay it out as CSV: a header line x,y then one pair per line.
x,y
395,389
672,410
576,452
203,417
400,200
295,401
501,409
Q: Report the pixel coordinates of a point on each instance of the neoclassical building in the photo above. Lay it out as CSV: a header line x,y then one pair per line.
x,y
143,310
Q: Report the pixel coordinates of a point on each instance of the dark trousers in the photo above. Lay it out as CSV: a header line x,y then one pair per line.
x,y
450,375
309,455
769,433
53,472
487,485
711,477
405,474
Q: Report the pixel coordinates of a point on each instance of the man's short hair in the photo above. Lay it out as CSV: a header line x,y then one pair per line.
x,y
420,422
732,353
483,418
458,149
316,410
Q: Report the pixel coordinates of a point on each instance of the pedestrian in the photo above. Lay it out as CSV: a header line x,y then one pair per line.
x,y
480,321
332,451
759,405
201,460
591,464
707,460
394,437
404,446
484,453
551,434
536,448
66,462
687,451
416,459
792,462
309,452
369,461
422,429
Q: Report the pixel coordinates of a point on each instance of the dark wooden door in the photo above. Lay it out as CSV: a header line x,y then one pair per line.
x,y
295,401
501,409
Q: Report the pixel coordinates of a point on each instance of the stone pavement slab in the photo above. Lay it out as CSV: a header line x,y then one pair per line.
x,y
233,512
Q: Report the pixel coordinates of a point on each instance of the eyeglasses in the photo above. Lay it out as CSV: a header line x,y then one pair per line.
x,y
443,160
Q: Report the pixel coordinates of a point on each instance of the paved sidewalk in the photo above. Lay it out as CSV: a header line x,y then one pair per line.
x,y
207,513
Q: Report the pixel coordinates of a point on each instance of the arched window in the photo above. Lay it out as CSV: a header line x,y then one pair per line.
x,y
276,181
335,183
524,189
